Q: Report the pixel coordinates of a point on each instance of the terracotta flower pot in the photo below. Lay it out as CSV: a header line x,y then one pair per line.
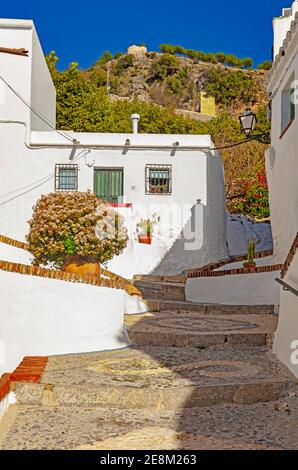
x,y
146,239
248,265
83,265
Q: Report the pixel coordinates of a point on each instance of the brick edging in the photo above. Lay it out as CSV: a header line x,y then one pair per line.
x,y
30,369
290,257
114,281
12,242
210,268
230,272
4,385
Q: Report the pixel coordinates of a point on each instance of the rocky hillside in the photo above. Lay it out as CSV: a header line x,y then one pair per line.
x,y
176,82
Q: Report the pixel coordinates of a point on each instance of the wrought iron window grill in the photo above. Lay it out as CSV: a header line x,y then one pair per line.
x,y
66,177
158,179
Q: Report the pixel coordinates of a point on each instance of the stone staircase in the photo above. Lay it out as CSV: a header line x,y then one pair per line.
x,y
185,357
169,295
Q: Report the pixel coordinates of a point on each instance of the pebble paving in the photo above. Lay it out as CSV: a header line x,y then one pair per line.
x,y
154,395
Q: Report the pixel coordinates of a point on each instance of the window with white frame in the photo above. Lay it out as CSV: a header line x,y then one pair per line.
x,y
288,106
66,177
159,179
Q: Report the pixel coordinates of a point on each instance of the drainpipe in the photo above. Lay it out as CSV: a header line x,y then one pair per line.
x,y
135,123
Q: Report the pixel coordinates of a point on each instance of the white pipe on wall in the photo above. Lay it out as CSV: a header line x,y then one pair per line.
x,y
135,123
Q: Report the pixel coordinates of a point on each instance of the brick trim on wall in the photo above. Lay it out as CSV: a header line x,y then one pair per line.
x,y
12,242
290,257
30,369
114,281
210,268
230,272
4,385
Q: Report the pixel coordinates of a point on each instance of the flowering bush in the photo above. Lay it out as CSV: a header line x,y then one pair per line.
x,y
252,197
74,222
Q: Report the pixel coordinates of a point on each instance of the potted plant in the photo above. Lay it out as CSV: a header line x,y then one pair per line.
x,y
79,264
76,232
145,230
160,189
251,252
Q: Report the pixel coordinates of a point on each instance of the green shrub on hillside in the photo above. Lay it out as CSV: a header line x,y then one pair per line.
x,y
220,57
106,57
163,66
210,58
247,62
175,84
123,63
266,65
229,86
191,53
167,49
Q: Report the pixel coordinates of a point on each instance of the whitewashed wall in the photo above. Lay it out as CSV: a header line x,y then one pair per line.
x,y
29,76
281,25
43,93
14,255
282,168
41,317
286,336
240,289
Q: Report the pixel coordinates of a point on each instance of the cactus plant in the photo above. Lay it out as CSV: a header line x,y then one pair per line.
x,y
251,252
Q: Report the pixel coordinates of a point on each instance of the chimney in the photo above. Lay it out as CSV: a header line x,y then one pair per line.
x,y
135,123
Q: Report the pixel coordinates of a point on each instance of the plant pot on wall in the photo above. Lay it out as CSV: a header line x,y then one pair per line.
x,y
248,265
82,264
146,226
146,239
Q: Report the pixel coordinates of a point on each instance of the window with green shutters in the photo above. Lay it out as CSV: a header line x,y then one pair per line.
x,y
108,184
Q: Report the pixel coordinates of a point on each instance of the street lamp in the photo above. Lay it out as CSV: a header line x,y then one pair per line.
x,y
248,121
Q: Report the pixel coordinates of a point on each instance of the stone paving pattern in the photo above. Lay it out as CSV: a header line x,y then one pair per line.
x,y
270,425
192,380
200,330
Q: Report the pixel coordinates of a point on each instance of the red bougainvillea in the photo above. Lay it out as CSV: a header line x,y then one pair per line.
x,y
252,197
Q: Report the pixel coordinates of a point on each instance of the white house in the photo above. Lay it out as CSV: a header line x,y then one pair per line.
x,y
177,179
282,173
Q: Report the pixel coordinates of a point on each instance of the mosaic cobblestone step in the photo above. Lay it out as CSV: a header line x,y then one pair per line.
x,y
260,426
182,306
161,378
189,329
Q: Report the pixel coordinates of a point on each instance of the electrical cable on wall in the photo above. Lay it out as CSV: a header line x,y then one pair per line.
x,y
37,113
40,182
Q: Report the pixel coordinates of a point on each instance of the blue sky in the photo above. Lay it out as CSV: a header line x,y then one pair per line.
x,y
81,31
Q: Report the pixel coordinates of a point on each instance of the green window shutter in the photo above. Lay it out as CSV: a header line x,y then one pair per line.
x,y
108,184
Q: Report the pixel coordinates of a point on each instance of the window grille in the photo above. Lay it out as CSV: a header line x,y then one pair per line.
x,y
66,177
159,179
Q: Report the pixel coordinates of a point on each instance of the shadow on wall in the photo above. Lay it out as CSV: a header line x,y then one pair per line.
x,y
203,238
